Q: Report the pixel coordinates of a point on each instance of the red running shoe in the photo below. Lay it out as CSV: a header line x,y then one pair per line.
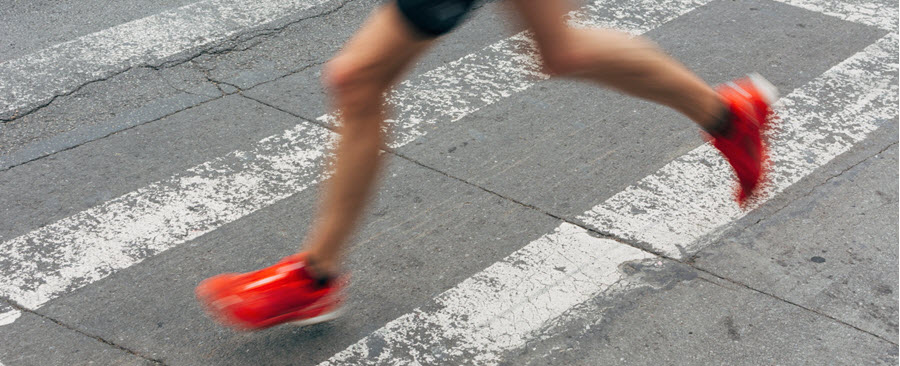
x,y
749,99
282,293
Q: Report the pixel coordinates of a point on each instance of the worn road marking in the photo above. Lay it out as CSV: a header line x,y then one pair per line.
x,y
500,308
8,314
881,15
94,243
670,210
34,79
80,249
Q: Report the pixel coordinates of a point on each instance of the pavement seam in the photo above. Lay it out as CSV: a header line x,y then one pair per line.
x,y
169,83
595,232
100,339
305,119
221,47
809,192
214,81
110,134
836,320
290,73
813,189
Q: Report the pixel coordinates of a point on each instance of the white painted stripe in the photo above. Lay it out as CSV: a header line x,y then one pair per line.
x,y
881,15
36,78
500,308
9,316
689,198
90,245
80,249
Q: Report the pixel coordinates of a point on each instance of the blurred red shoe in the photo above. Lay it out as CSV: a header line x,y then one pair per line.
x,y
749,100
282,293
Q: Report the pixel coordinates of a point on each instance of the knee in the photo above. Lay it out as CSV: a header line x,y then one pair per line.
x,y
352,81
562,61
358,96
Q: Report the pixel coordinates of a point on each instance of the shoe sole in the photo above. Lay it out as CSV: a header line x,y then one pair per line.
x,y
768,91
334,314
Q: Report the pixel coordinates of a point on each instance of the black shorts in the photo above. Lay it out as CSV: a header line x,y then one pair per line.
x,y
433,18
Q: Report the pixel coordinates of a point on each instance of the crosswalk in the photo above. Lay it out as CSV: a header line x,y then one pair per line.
x,y
669,214
122,232
498,309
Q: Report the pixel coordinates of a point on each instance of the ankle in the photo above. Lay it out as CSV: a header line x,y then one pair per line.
x,y
320,269
720,123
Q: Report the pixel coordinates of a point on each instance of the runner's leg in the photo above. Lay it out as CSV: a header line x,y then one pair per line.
x,y
735,116
631,64
358,78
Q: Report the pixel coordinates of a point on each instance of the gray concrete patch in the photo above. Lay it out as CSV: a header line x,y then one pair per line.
x,y
831,243
706,321
426,233
126,100
41,192
298,46
565,146
301,93
34,340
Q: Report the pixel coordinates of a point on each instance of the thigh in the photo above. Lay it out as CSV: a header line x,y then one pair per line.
x,y
546,18
379,52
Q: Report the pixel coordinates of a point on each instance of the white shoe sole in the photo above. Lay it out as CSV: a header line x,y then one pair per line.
x,y
769,92
336,313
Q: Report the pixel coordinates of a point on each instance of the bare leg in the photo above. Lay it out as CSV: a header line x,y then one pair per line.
x,y
358,78
630,64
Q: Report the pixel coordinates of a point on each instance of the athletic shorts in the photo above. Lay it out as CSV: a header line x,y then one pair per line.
x,y
433,18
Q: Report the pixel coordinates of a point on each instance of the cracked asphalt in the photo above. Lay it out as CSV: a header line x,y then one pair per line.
x,y
810,276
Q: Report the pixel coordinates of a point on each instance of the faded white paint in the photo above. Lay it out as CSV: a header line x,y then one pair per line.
x,y
9,316
881,15
37,77
500,308
94,243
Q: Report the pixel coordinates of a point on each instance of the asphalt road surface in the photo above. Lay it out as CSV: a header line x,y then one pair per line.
x,y
145,146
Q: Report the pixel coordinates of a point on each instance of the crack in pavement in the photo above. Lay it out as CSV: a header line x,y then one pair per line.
x,y
98,338
809,192
222,47
204,70
212,80
288,74
751,288
108,134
